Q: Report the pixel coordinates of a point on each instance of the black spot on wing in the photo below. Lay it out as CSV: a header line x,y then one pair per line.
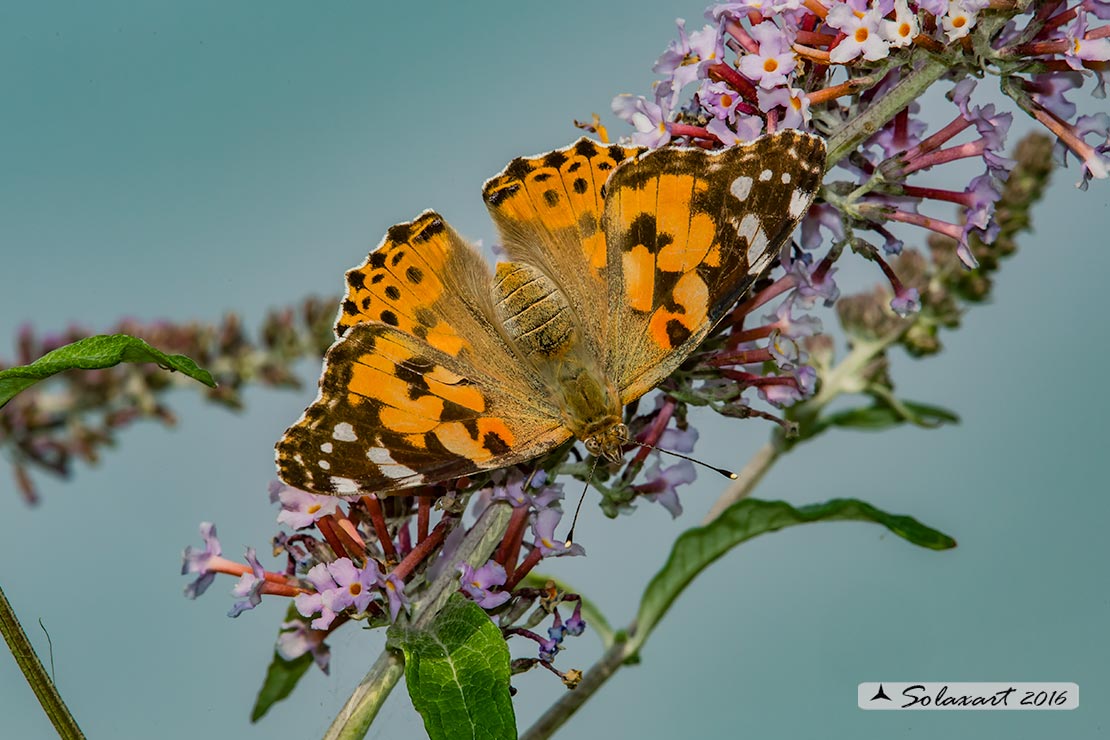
x,y
518,169
493,442
677,334
431,229
356,279
644,231
399,233
415,275
496,197
551,198
397,257
392,293
388,317
580,186
586,148
377,259
554,159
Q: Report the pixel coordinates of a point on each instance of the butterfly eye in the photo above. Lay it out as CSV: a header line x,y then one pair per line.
x,y
593,446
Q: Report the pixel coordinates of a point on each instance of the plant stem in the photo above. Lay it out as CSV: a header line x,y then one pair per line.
x,y
35,673
354,719
613,658
883,109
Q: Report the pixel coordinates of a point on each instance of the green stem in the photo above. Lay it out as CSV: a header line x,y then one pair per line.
x,y
883,109
609,663
35,673
362,707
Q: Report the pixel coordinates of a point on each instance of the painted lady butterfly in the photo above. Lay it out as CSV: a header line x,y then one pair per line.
x,y
621,261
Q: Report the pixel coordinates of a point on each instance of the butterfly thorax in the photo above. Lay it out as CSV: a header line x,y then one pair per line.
x,y
540,322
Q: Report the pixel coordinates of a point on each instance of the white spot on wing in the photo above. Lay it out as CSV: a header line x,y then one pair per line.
x,y
751,228
765,175
344,432
326,448
324,465
391,468
786,178
343,486
740,187
799,201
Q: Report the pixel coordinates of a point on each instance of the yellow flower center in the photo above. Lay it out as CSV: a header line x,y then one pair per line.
x,y
314,508
861,34
904,29
959,21
770,65
726,101
355,589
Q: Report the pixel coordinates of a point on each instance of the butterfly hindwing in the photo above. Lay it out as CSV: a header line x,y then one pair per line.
x,y
688,233
394,412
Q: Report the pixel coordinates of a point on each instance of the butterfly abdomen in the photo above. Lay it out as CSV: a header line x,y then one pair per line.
x,y
534,312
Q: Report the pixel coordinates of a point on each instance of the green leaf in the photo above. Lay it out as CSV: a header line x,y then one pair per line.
x,y
94,353
590,612
281,678
883,416
457,671
696,548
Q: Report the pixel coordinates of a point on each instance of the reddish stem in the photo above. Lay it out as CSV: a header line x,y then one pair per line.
x,y
751,335
421,551
693,132
326,525
743,357
423,514
514,536
377,518
530,562
737,81
944,156
951,196
935,141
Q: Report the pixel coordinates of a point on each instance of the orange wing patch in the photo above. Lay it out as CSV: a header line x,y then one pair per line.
x,y
399,283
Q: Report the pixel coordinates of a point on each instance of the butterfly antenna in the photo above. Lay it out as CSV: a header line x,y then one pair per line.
x,y
722,471
574,522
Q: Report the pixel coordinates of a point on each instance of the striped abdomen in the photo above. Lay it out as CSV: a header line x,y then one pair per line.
x,y
533,310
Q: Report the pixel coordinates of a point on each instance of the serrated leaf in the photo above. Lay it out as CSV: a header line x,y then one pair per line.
x,y
696,548
457,672
281,678
95,353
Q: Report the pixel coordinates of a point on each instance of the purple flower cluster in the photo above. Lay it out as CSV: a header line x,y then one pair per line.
x,y
364,556
762,65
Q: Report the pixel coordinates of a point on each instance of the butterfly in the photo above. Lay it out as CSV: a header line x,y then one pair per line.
x,y
620,261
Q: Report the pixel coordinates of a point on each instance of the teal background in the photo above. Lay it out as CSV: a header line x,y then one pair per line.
x,y
178,160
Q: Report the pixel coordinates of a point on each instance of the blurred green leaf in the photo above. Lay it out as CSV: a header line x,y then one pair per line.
x,y
590,612
281,678
696,548
94,353
457,671
883,416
